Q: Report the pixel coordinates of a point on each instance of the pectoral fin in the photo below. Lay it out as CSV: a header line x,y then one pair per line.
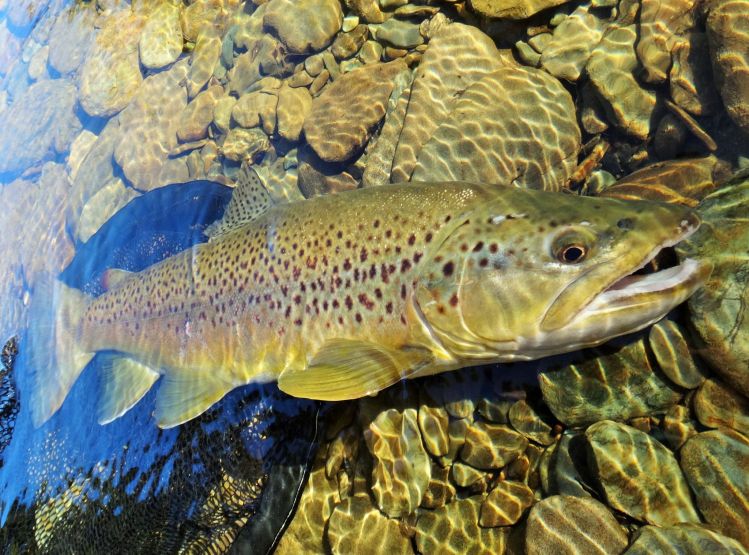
x,y
124,383
184,395
349,369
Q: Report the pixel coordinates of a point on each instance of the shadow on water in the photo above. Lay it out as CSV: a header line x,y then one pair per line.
x,y
73,485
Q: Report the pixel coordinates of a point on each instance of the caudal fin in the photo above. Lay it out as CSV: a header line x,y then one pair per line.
x,y
56,358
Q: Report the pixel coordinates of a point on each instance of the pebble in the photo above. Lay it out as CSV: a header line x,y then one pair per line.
x,y
465,476
356,526
611,71
368,10
527,421
715,464
110,76
304,27
619,383
255,108
161,40
294,106
348,44
672,353
244,144
337,129
201,15
678,426
399,34
511,9
205,56
639,475
198,115
662,24
222,113
568,459
689,539
489,446
106,202
440,490
717,406
566,525
433,424
505,504
401,469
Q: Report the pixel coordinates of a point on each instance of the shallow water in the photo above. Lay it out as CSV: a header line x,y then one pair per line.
x,y
124,127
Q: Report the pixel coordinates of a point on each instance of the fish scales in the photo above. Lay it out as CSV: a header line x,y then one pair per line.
x,y
341,296
268,295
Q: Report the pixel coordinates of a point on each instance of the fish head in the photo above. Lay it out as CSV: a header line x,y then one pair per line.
x,y
529,274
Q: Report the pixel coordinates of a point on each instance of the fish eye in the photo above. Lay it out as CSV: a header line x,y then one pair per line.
x,y
572,253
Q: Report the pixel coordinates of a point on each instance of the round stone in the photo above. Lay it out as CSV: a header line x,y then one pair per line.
x,y
161,40
690,539
505,504
356,526
304,27
717,406
489,446
672,352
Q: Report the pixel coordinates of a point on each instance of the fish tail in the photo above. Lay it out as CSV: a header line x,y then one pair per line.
x,y
54,347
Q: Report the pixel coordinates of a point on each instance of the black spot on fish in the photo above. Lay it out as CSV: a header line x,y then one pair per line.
x,y
448,269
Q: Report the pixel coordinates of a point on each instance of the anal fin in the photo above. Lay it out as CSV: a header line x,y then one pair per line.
x,y
183,395
349,369
124,383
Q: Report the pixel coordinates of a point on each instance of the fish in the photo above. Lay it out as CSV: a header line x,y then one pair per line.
x,y
341,296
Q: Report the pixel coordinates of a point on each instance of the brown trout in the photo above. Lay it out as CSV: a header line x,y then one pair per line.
x,y
341,296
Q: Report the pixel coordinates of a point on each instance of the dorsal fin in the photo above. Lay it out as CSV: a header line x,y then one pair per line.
x,y
249,200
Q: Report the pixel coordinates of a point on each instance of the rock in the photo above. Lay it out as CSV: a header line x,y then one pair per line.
x,y
715,464
511,9
662,24
505,504
402,468
10,51
96,167
456,436
105,203
317,177
691,78
440,491
371,52
454,529
717,309
465,476
148,128
495,410
244,144
457,56
368,10
205,56
294,105
670,136
343,116
111,76
201,15
528,422
510,107
400,34
38,64
433,424
689,539
255,108
678,426
567,461
685,181
268,57
222,113
348,44
40,122
728,30
489,446
161,40
78,151
306,533
304,27
610,69
564,524
619,383
672,353
567,51
638,475
717,406
198,115
355,526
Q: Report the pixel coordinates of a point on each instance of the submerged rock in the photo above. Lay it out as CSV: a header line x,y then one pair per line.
x,y
304,27
161,40
356,526
689,539
505,504
717,406
570,525
511,9
69,40
638,475
489,446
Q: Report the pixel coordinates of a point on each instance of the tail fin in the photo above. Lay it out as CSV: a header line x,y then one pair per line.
x,y
56,358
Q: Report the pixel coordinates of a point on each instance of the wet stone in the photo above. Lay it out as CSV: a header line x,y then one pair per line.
x,y
244,144
439,491
619,383
304,27
638,475
371,52
454,529
69,40
662,24
528,422
505,504
465,476
343,116
294,105
687,539
433,424
670,348
161,40
222,113
511,9
111,75
495,410
348,44
564,524
255,108
201,15
456,438
678,426
106,202
610,70
489,446
691,78
715,464
567,460
198,115
728,33
356,526
400,34
205,56
401,465
717,406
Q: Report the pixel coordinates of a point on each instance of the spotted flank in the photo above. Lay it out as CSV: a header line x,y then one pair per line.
x,y
341,296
